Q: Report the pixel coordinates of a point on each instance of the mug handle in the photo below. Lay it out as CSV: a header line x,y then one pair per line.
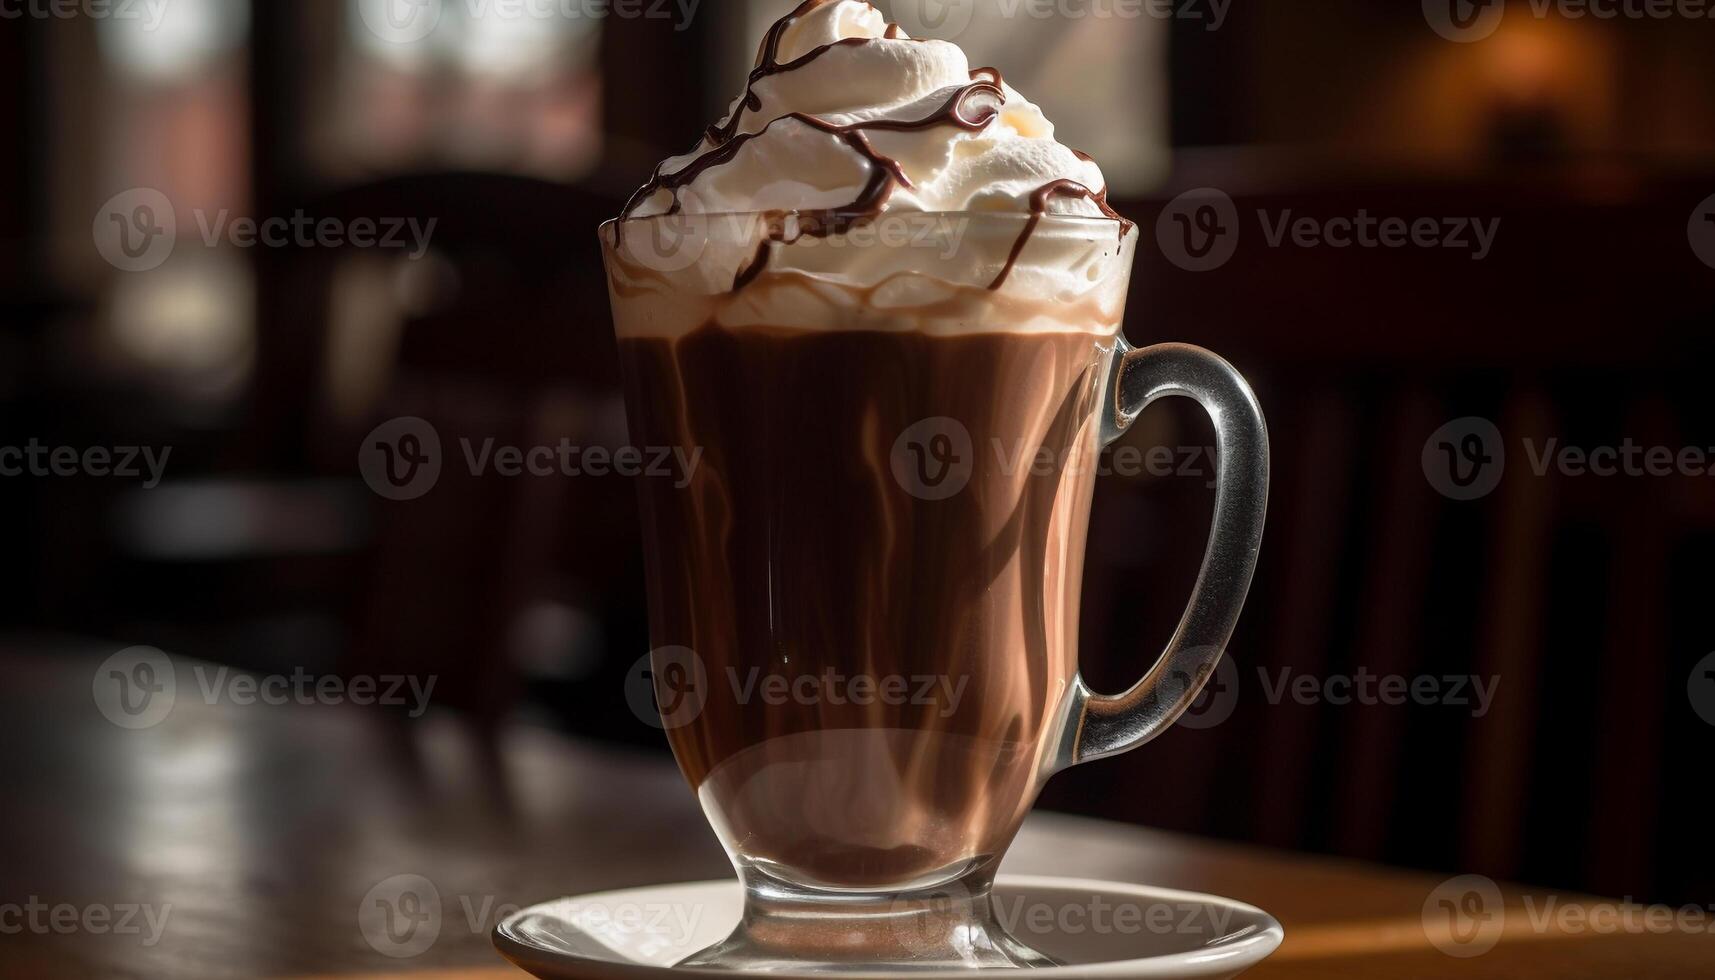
x,y
1104,726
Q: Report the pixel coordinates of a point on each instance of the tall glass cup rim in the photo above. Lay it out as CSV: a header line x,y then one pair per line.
x,y
887,228
1011,256
1093,222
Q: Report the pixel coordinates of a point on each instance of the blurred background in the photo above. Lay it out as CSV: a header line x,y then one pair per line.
x,y
134,312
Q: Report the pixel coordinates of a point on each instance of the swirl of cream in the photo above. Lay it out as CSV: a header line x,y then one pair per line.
x,y
845,113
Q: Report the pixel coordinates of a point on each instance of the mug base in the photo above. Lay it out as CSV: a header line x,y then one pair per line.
x,y
786,928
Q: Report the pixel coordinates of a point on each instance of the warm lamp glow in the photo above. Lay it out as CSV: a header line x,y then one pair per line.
x,y
1527,66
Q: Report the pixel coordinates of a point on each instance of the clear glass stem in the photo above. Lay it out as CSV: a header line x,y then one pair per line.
x,y
786,927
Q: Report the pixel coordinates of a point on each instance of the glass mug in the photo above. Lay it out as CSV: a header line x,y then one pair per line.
x,y
864,594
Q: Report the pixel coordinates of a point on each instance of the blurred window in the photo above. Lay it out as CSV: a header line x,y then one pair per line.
x,y
427,84
153,143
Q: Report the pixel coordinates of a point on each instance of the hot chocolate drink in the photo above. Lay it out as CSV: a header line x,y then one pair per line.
x,y
897,437
879,303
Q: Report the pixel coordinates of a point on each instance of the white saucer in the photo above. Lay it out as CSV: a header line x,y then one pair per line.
x,y
1098,929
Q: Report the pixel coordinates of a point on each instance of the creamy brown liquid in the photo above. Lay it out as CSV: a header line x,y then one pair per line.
x,y
797,550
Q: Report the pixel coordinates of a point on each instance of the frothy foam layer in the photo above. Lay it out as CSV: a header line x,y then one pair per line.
x,y
848,129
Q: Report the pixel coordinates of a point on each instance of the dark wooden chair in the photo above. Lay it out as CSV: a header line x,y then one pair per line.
x,y
502,334
1581,595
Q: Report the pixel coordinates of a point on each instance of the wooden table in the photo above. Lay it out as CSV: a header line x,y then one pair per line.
x,y
257,831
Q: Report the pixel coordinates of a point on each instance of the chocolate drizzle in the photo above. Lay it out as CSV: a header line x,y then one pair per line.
x,y
1039,208
768,64
885,172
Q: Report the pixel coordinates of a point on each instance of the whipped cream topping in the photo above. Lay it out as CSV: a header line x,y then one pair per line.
x,y
838,95
845,123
